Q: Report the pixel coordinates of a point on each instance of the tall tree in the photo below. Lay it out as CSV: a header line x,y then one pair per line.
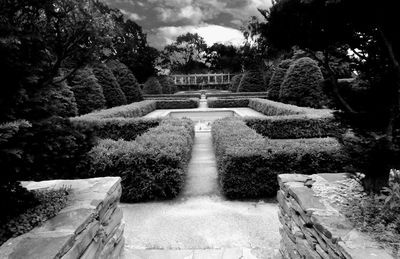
x,y
329,31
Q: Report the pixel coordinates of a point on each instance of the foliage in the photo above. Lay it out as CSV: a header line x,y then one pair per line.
x,y
153,166
295,126
53,149
47,204
55,100
248,163
277,78
111,89
39,38
87,91
235,82
126,81
178,104
252,81
172,96
167,85
224,58
115,128
130,46
214,102
271,108
302,84
14,197
152,86
378,214
327,30
238,95
185,55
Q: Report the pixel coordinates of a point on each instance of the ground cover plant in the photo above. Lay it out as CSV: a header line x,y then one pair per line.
x,y
248,163
153,166
46,204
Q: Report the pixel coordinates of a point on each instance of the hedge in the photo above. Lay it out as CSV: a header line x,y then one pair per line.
x,y
126,111
241,94
227,103
252,81
170,96
153,166
271,108
152,86
277,78
233,87
248,164
178,104
295,126
115,128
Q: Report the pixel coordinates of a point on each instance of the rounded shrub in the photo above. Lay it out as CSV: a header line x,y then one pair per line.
x,y
302,84
111,89
252,81
277,78
233,87
152,86
88,92
126,80
167,85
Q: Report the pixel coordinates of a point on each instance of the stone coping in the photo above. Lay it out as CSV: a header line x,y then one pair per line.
x,y
91,204
312,223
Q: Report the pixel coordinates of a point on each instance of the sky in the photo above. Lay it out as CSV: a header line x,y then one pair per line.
x,y
217,21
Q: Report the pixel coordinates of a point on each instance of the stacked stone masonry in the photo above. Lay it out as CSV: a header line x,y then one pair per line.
x,y
89,227
313,227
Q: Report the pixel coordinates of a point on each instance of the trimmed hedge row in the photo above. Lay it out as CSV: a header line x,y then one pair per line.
x,y
178,104
153,166
248,164
241,94
214,102
133,110
295,126
172,96
115,128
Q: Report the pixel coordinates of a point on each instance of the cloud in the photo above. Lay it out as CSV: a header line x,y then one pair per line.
x,y
210,32
133,16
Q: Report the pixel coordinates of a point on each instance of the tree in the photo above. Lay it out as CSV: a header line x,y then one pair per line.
x,y
223,58
302,84
252,81
38,39
111,89
328,31
152,86
185,55
234,86
126,81
88,92
131,48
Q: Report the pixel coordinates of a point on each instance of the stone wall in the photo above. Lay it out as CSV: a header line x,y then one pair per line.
x,y
312,225
89,227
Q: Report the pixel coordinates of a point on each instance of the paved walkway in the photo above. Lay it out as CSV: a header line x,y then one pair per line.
x,y
201,224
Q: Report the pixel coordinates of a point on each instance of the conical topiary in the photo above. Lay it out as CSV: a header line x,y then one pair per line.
x,y
111,89
302,84
277,78
126,80
167,85
88,92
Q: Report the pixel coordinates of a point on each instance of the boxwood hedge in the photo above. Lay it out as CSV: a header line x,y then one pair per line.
x,y
248,163
178,104
153,166
227,103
